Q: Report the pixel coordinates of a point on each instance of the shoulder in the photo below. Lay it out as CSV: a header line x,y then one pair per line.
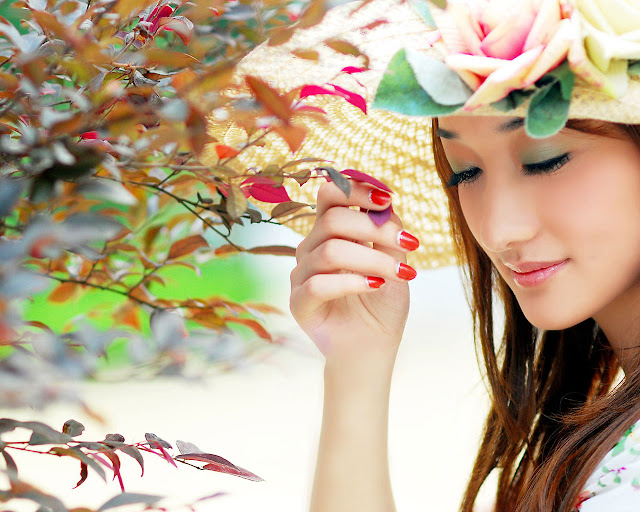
x,y
615,484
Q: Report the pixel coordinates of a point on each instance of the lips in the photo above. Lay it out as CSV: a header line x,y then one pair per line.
x,y
531,266
534,273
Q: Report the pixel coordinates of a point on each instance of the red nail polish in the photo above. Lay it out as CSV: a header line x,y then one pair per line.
x,y
405,272
374,282
408,241
379,197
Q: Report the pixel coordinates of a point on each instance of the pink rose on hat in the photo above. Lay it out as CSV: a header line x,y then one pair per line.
x,y
498,46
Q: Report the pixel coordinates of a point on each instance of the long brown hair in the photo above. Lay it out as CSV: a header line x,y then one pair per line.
x,y
554,413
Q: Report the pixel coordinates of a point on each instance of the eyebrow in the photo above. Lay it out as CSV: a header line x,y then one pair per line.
x,y
509,126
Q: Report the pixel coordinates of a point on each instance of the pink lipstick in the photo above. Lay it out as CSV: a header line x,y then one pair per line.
x,y
535,273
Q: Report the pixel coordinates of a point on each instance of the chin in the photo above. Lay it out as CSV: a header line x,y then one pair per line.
x,y
552,321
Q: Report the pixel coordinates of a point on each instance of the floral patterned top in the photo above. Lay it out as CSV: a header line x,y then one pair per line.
x,y
615,485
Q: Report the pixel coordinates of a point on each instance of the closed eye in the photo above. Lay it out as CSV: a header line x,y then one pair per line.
x,y
546,166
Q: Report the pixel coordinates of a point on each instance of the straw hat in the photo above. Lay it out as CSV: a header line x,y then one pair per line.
x,y
393,147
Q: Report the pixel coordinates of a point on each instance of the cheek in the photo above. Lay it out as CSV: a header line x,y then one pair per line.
x,y
471,207
595,204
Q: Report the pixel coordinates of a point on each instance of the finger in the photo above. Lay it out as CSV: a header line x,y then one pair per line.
x,y
362,195
336,254
311,295
347,224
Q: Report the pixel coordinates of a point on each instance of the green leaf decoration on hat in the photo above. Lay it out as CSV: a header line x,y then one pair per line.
x,y
565,76
437,79
400,90
513,100
634,69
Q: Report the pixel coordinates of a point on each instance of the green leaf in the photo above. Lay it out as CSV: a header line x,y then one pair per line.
x,y
512,101
128,498
566,78
73,428
437,79
548,111
440,3
399,91
339,179
422,8
634,68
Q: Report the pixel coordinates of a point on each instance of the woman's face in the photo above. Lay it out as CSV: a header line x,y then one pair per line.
x,y
568,205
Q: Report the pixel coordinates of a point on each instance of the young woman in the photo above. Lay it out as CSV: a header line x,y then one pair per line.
x,y
532,108
552,226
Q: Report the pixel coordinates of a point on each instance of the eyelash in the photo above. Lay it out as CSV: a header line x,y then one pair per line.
x,y
545,167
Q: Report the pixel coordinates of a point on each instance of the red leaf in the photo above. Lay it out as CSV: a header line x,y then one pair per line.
x,y
101,460
352,69
355,99
351,97
238,471
360,176
312,90
89,135
180,25
225,151
269,193
115,460
216,463
84,473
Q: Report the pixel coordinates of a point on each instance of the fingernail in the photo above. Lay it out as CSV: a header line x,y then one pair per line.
x,y
408,241
374,282
379,197
405,272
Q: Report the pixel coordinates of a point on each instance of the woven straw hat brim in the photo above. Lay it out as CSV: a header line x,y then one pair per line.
x,y
392,147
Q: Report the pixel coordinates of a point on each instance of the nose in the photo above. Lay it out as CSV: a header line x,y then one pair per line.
x,y
508,212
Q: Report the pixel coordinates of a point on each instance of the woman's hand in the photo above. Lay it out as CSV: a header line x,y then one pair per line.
x,y
336,296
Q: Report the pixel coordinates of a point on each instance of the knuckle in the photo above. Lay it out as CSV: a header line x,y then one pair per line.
x,y
313,286
333,219
330,250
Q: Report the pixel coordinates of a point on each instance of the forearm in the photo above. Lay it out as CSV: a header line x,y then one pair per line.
x,y
352,471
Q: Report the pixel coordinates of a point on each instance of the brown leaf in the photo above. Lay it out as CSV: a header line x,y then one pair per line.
x,y
280,36
186,246
236,202
63,292
287,208
293,135
51,25
306,54
226,249
343,47
207,319
254,325
172,59
270,99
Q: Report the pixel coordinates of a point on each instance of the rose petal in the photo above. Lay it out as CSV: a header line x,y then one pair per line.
x,y
553,54
482,66
469,30
504,80
450,33
506,41
545,25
